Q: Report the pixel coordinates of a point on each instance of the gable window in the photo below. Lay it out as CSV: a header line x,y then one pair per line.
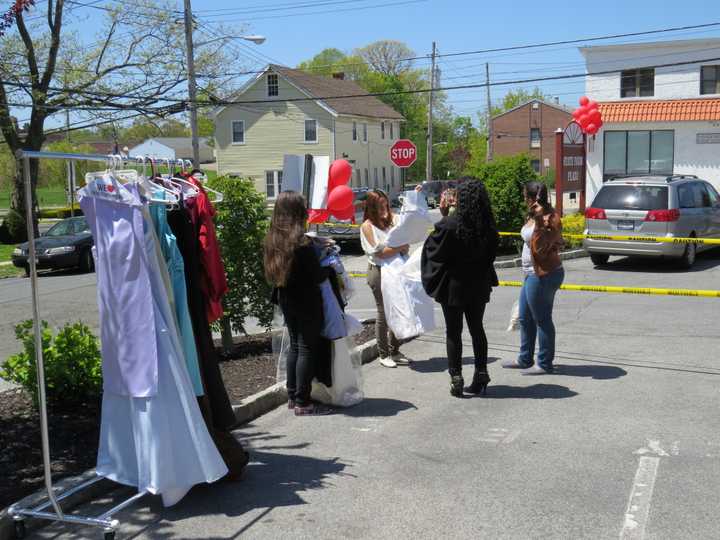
x,y
637,83
311,131
382,130
364,132
534,137
638,152
392,135
273,87
354,131
238,132
710,80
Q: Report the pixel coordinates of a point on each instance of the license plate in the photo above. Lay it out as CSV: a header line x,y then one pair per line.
x,y
626,225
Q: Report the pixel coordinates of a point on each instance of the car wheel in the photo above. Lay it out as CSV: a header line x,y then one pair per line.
x,y
87,264
688,258
27,270
598,259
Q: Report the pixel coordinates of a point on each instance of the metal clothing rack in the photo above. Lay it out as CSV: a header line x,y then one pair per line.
x,y
43,511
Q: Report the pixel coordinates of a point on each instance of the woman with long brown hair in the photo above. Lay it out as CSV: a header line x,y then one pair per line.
x,y
292,267
378,220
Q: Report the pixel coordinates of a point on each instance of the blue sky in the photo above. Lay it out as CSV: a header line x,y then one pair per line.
x,y
299,32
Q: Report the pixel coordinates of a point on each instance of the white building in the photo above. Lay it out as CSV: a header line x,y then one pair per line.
x,y
173,148
660,104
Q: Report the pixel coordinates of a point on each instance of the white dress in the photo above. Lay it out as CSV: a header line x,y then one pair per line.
x,y
157,443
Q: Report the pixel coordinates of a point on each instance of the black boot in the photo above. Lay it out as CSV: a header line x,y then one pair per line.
x,y
456,386
479,383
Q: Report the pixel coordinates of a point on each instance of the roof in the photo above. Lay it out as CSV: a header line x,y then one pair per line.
x,y
670,110
177,142
324,89
678,43
557,106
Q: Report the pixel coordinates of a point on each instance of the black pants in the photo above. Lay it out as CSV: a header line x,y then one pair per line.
x,y
454,325
300,361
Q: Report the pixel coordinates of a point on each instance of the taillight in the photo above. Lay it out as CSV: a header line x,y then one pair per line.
x,y
663,215
595,213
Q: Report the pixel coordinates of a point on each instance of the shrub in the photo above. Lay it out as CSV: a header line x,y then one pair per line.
x,y
14,224
241,226
59,213
72,360
573,224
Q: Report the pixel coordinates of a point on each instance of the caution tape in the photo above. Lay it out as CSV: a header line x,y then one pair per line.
x,y
609,289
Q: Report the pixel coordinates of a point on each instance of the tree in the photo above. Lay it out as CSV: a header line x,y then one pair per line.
x,y
387,57
323,63
138,66
517,97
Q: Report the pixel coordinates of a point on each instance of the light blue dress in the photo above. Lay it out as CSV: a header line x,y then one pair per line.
x,y
158,443
176,269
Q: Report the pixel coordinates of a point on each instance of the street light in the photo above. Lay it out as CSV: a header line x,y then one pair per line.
x,y
257,40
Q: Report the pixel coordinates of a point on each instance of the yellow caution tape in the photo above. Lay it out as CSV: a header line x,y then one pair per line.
x,y
625,238
613,290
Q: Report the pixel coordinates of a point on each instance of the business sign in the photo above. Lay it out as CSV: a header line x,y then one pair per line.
x,y
707,138
403,153
573,158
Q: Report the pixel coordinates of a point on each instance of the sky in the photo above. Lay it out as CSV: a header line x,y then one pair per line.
x,y
297,30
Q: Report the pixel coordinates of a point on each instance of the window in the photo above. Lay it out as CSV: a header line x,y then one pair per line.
x,y
535,165
392,174
375,178
364,132
382,130
273,183
311,131
685,196
701,196
637,83
573,196
638,152
535,138
238,132
384,177
367,178
354,131
358,181
272,85
710,80
714,197
619,197
392,135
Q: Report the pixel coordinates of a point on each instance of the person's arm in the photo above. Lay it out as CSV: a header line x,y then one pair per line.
x,y
379,250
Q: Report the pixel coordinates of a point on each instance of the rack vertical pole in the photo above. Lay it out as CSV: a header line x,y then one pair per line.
x,y
39,364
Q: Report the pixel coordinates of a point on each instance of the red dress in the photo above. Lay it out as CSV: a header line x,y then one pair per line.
x,y
214,282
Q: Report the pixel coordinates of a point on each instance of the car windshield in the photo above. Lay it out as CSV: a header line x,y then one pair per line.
x,y
68,227
632,198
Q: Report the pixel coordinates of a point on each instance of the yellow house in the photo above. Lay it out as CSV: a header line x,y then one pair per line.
x,y
288,111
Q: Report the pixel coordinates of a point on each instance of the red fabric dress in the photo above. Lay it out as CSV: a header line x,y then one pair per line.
x,y
214,281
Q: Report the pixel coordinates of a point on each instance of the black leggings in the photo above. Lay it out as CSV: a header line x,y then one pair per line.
x,y
454,326
300,361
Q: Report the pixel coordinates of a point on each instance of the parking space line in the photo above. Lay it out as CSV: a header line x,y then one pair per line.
x,y
638,508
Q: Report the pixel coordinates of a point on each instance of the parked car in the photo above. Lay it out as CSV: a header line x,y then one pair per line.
x,y
665,206
66,244
343,230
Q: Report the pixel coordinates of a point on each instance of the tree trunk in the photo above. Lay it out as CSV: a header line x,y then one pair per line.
x,y
18,198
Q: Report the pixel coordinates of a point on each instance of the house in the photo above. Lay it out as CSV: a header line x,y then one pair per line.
x,y
660,104
530,129
173,148
288,111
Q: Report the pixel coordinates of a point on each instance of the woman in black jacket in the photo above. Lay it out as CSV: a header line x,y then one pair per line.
x,y
293,268
458,272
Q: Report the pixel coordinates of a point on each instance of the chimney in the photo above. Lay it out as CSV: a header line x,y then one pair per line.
x,y
557,100
340,76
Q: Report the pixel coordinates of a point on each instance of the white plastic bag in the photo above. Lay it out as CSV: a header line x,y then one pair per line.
x,y
409,311
514,317
412,223
347,381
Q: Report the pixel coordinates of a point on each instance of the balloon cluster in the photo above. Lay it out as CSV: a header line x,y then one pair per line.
x,y
588,116
340,195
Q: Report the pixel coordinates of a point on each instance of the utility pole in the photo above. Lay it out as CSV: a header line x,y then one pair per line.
x,y
428,165
192,86
489,114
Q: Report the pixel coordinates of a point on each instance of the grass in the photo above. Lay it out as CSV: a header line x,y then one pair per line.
x,y
10,271
6,251
48,196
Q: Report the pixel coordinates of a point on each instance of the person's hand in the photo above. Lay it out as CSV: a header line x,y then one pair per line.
x,y
536,209
418,188
404,250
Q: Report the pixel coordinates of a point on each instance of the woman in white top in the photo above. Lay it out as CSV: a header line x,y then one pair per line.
x,y
377,222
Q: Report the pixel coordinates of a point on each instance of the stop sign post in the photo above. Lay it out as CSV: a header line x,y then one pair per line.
x,y
403,153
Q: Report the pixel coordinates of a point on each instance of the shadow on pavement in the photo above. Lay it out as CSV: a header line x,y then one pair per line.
x,y
597,372
440,364
706,260
377,407
536,391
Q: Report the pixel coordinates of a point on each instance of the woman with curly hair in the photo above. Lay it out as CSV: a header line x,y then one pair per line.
x,y
458,272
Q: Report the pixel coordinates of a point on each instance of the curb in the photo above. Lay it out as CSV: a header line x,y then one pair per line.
x,y
247,410
564,256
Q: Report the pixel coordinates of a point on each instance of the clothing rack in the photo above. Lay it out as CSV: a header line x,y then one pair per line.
x,y
16,512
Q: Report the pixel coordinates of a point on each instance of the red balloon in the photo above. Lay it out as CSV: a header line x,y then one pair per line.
x,y
584,100
318,216
576,113
595,116
591,129
340,173
592,105
584,120
340,198
345,214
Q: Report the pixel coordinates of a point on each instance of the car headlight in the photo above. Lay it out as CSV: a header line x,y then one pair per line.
x,y
17,252
60,250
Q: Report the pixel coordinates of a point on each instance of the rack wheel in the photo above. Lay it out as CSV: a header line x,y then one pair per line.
x,y
109,535
19,529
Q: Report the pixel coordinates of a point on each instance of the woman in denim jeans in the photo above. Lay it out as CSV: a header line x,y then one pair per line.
x,y
544,274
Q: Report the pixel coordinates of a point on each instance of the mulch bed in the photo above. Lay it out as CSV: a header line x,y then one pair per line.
x,y
249,368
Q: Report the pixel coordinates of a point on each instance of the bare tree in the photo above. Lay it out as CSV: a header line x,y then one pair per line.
x,y
387,57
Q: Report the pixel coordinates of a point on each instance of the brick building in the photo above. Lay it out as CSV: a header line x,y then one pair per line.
x,y
530,128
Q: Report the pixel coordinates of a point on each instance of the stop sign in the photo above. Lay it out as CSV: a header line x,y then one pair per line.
x,y
403,153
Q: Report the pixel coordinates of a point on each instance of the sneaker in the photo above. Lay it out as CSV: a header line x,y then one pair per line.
x,y
536,370
401,360
291,404
514,364
388,362
313,409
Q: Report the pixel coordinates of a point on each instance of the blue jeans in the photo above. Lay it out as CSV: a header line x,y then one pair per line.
x,y
536,304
